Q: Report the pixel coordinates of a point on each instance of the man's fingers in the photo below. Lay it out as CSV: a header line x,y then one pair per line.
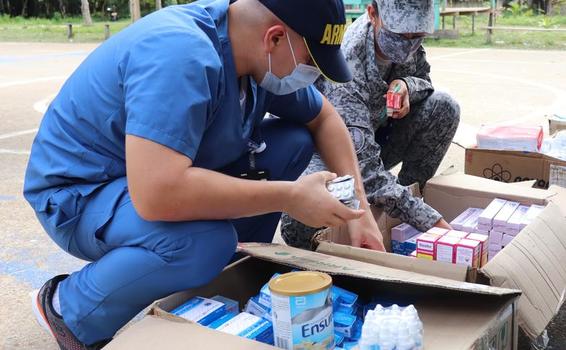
x,y
372,242
356,240
328,176
348,214
334,221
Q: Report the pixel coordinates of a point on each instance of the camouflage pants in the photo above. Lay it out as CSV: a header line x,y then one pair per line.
x,y
419,141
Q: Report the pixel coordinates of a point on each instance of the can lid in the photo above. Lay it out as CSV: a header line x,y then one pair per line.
x,y
300,283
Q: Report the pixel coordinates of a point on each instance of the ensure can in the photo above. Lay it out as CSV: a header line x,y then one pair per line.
x,y
301,308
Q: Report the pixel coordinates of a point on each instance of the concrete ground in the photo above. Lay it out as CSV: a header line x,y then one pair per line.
x,y
491,86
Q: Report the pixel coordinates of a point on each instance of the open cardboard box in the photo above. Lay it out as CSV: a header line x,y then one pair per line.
x,y
456,315
513,166
535,262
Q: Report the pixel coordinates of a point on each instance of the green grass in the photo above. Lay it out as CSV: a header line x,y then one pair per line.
x,y
506,39
54,30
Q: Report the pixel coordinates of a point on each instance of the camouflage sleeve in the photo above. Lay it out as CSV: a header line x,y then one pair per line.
x,y
415,73
381,186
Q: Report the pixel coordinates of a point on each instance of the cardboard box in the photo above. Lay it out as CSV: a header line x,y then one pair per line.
x,y
533,262
482,316
556,123
510,166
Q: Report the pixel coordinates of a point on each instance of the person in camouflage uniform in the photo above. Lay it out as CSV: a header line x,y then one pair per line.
x,y
383,48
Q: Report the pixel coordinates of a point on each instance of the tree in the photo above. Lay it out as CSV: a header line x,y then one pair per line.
x,y
85,10
158,5
135,12
24,8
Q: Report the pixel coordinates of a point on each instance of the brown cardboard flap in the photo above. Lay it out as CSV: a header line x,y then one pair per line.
x,y
433,268
452,194
558,198
154,332
340,266
535,262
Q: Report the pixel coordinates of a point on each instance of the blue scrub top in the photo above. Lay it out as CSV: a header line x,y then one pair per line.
x,y
169,78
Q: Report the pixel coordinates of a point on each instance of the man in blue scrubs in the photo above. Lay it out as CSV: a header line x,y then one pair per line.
x,y
145,162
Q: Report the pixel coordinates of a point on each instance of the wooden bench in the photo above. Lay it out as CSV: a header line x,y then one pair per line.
x,y
490,30
463,11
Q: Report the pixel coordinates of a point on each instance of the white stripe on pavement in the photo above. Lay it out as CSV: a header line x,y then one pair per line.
x,y
14,151
31,81
18,133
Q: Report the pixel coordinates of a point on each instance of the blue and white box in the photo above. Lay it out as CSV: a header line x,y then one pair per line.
x,y
255,308
245,325
201,310
344,323
344,297
265,293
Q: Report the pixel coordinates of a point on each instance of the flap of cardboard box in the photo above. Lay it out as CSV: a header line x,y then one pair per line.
x,y
157,332
452,194
347,267
405,263
535,262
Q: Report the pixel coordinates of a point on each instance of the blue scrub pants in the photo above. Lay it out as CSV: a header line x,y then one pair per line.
x,y
134,262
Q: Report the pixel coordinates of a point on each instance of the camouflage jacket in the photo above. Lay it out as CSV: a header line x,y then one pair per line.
x,y
362,106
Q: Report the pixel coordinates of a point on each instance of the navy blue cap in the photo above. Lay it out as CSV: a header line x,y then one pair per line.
x,y
322,24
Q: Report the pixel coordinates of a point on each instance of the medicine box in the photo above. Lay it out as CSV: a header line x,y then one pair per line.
x,y
489,213
458,234
446,249
201,310
500,220
468,253
426,244
484,240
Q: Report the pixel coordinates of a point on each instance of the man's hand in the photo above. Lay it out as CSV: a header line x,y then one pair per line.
x,y
443,224
405,104
365,233
312,204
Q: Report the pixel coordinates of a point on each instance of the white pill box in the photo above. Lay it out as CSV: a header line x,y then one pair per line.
x,y
468,253
516,221
495,237
403,232
532,213
438,231
486,217
426,244
457,234
484,240
446,248
506,240
500,220
468,217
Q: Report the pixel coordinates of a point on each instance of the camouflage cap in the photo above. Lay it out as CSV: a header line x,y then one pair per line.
x,y
407,16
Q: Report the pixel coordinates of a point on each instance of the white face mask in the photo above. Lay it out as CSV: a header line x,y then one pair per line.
x,y
302,76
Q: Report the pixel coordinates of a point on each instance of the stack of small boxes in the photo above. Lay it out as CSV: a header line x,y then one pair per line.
x,y
477,235
503,220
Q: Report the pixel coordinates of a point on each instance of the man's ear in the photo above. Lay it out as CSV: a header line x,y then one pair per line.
x,y
373,15
273,37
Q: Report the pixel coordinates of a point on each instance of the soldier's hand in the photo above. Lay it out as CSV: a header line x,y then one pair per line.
x,y
405,104
312,204
443,224
365,233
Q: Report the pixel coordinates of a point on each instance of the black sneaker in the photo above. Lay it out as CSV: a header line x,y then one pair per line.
x,y
65,338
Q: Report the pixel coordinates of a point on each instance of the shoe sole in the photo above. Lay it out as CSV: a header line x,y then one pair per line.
x,y
40,314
